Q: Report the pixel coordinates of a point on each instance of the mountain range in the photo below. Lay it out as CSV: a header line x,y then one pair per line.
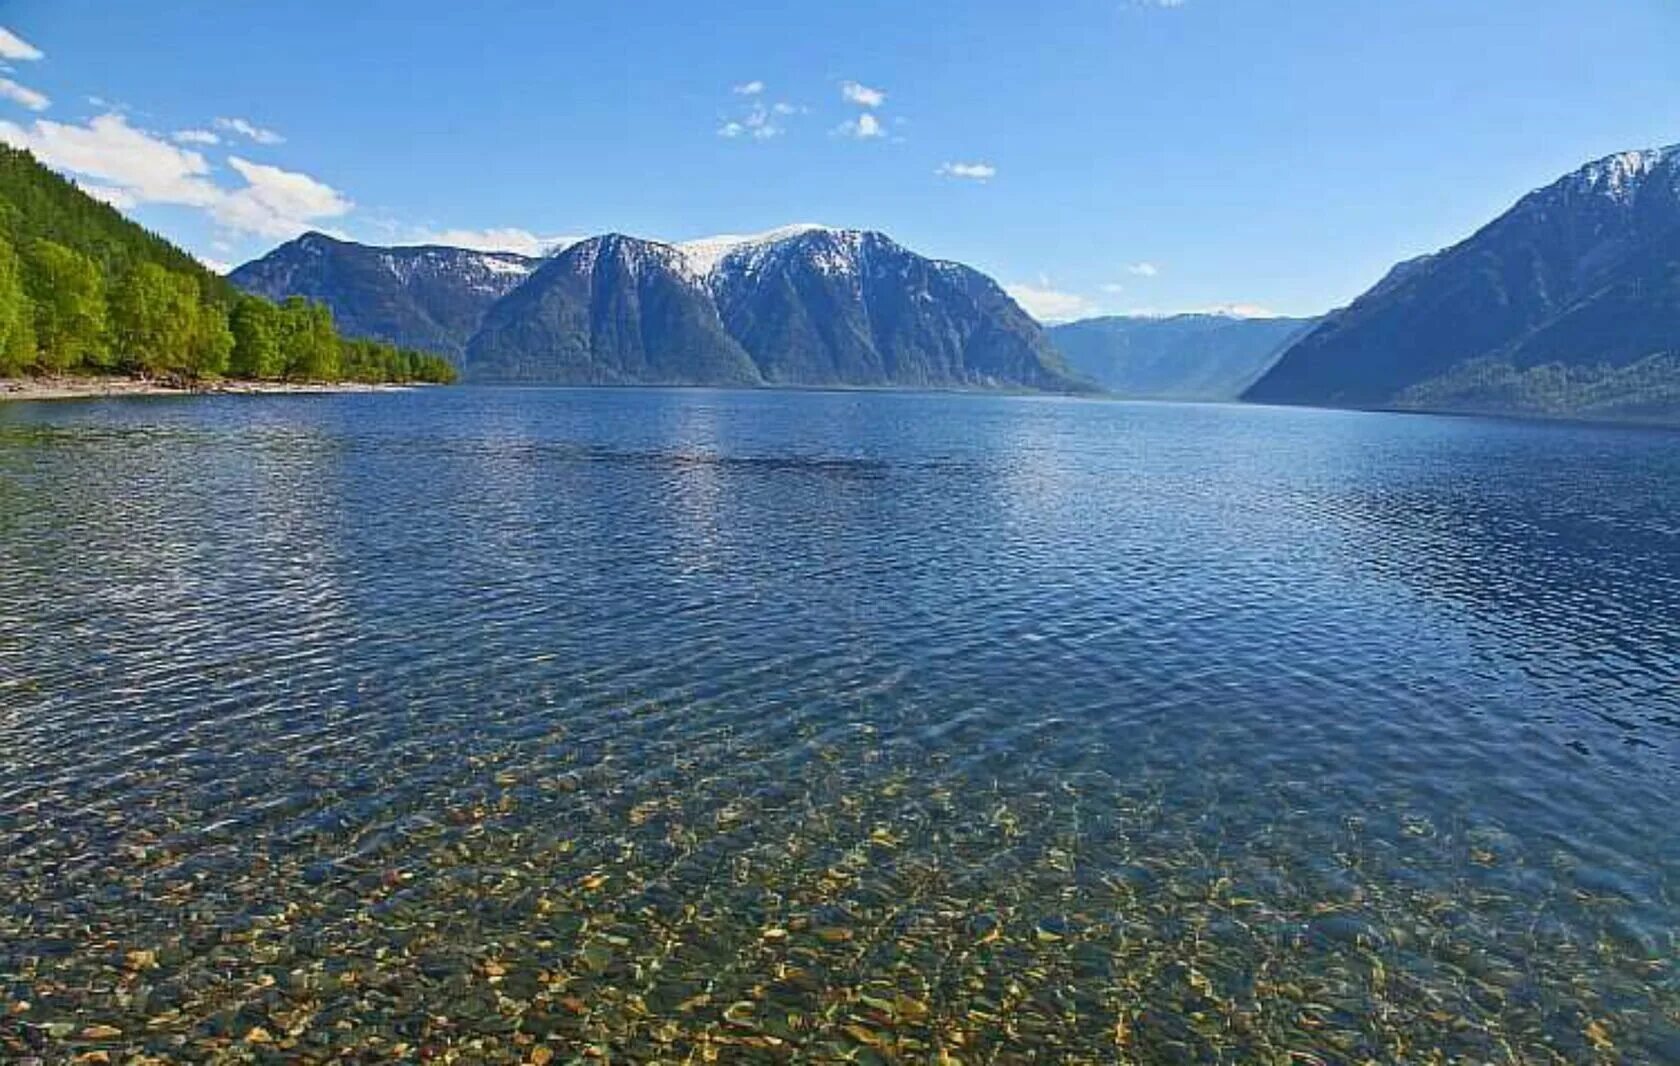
x,y
1566,305
805,305
1204,357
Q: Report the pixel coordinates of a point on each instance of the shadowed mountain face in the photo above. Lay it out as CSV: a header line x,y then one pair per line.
x,y
430,298
1569,305
1184,357
610,311
801,306
830,307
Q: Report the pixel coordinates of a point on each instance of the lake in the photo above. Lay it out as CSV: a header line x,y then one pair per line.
x,y
761,726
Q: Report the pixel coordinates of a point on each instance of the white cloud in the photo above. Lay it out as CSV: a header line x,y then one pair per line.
x,y
127,167
195,137
1143,270
276,203
216,266
16,48
760,122
1242,311
751,88
250,131
862,95
506,239
865,127
1048,304
1113,288
130,162
968,171
22,94
121,199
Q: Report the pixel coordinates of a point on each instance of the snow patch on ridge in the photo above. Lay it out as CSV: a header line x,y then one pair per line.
x,y
488,272
704,255
1620,176
497,265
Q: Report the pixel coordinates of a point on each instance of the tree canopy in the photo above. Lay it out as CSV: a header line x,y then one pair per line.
x,y
83,290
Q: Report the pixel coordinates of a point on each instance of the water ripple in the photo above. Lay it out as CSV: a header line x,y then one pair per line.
x,y
834,727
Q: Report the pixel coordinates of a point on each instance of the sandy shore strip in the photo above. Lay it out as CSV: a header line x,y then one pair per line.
x,y
97,388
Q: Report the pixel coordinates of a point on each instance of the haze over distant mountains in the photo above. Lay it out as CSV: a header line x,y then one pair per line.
x,y
1566,305
806,305
1203,357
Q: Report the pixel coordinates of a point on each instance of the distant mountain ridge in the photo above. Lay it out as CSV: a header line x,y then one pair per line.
x,y
429,297
1205,357
1566,305
804,305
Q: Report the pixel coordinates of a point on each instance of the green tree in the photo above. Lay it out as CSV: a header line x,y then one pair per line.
x,y
68,293
17,314
73,251
212,342
310,344
257,336
154,315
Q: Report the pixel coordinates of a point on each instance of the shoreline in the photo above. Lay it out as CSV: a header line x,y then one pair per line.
x,y
85,388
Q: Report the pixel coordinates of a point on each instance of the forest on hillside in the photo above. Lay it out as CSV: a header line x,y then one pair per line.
x,y
85,291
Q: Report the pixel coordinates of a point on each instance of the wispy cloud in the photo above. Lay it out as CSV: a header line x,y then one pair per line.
x,y
756,118
862,95
23,94
968,171
249,130
130,167
865,127
1143,270
759,122
1113,288
1048,304
506,239
195,137
16,48
1240,310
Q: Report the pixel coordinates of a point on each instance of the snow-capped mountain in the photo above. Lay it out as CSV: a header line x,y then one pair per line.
x,y
611,310
705,254
1568,304
427,297
799,305
853,307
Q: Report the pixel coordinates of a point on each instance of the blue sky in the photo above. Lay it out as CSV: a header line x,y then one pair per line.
x,y
1095,156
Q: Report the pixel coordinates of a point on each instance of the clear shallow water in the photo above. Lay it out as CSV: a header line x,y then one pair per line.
x,y
801,727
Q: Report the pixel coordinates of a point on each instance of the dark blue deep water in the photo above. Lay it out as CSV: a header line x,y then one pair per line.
x,y
483,726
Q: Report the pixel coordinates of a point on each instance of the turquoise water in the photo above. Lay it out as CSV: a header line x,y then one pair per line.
x,y
483,726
